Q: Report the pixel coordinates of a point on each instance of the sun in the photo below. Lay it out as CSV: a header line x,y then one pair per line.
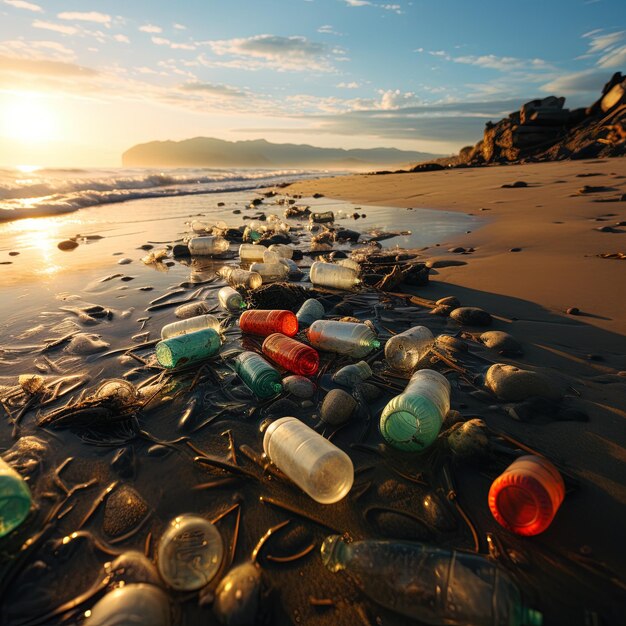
x,y
26,117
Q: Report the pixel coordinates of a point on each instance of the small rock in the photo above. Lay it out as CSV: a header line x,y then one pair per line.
x,y
512,384
442,310
441,263
367,391
516,184
471,316
501,342
13,253
124,509
515,250
337,408
451,343
146,246
67,244
457,250
573,310
124,261
237,212
299,386
449,301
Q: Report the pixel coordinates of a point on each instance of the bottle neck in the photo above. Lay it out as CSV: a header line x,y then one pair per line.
x,y
334,553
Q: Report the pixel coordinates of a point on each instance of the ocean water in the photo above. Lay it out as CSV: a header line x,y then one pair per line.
x,y
33,192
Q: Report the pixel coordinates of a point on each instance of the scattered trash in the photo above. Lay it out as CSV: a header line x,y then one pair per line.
x,y
293,355
258,375
15,499
264,323
230,299
190,325
405,350
333,276
355,340
186,349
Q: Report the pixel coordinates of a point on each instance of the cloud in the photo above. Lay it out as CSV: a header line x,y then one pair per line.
x,y
121,38
587,81
598,42
395,99
352,85
179,26
293,53
43,67
211,89
161,41
27,6
327,29
396,8
91,16
57,28
150,28
502,64
358,3
52,50
614,58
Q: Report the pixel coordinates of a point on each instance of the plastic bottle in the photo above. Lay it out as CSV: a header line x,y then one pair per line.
x,y
190,325
271,257
186,349
265,322
352,374
230,299
310,311
431,585
193,309
526,497
15,499
412,420
207,246
285,251
237,277
317,466
291,354
404,350
350,264
257,374
250,252
137,604
333,276
190,553
270,272
349,338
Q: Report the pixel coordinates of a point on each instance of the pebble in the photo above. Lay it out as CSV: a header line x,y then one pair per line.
x,y
471,316
124,261
449,301
442,310
512,384
470,439
83,343
337,407
67,244
501,342
13,253
368,391
515,250
124,509
145,246
516,184
457,250
451,343
573,310
441,263
299,386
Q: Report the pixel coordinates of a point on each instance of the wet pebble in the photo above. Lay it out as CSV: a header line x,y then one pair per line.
x,y
469,439
124,261
238,596
501,342
124,509
132,567
67,244
449,301
471,316
442,310
337,407
367,391
447,342
512,384
84,343
13,253
457,250
573,310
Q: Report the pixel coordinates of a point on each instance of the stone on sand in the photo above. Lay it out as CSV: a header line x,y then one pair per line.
x,y
501,342
513,384
471,316
124,509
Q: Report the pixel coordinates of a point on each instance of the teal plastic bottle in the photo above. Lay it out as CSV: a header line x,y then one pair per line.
x,y
431,585
15,499
258,375
186,349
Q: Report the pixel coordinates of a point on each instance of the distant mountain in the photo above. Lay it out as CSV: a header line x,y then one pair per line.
x,y
210,152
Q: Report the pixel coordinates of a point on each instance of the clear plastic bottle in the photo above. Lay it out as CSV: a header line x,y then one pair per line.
x,y
270,272
294,356
349,338
526,497
258,375
230,299
317,466
207,246
333,276
350,264
283,250
190,325
193,309
186,349
250,252
352,374
412,420
431,585
15,499
190,553
237,277
137,604
271,257
404,350
310,311
264,322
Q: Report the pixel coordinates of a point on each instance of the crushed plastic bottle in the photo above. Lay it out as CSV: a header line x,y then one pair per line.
x,y
208,246
349,338
270,272
250,252
190,325
333,276
431,585
15,499
412,420
405,350
230,299
136,604
186,349
257,374
310,311
236,277
264,322
294,356
193,309
317,466
526,497
352,374
190,553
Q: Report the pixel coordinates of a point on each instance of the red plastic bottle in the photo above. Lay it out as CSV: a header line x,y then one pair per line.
x,y
265,323
291,354
526,497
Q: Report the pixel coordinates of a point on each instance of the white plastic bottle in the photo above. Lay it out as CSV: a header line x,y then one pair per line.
x,y
317,466
333,276
404,350
190,325
349,338
351,264
251,253
230,299
270,272
207,246
237,277
192,309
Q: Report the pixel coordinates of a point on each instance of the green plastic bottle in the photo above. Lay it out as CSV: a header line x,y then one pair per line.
x,y
186,349
258,375
15,499
431,585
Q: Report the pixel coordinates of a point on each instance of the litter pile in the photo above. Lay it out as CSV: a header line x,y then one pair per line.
x,y
341,388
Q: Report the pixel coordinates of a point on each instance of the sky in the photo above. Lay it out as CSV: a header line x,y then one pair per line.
x,y
83,80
